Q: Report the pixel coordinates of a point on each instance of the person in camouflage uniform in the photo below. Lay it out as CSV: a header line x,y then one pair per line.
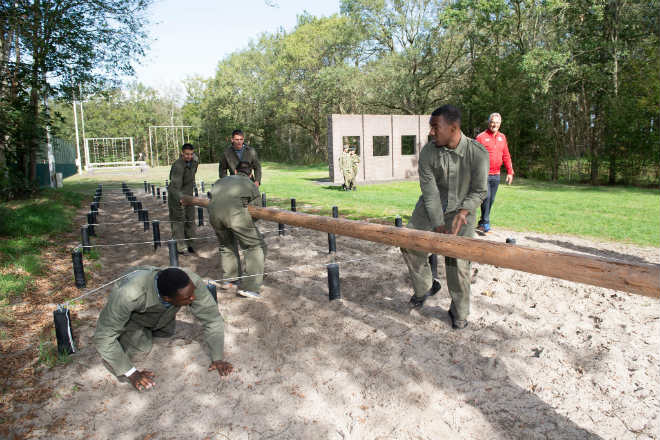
x,y
453,173
346,168
234,227
355,161
182,182
143,305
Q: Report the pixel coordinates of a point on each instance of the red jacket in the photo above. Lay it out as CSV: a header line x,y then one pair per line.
x,y
498,151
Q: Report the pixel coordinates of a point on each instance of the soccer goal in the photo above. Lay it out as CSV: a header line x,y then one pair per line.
x,y
165,143
110,153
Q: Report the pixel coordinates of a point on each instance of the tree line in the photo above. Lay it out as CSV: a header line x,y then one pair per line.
x,y
577,83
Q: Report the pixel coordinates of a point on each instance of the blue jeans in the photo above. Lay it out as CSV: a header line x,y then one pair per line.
x,y
487,204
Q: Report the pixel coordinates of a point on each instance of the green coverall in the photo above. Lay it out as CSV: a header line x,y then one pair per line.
x,y
182,181
233,225
229,161
450,179
134,314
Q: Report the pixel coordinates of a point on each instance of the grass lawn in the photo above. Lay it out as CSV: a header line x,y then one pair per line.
x,y
27,226
621,214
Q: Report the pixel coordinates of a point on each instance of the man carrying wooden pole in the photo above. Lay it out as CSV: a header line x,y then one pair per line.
x,y
453,172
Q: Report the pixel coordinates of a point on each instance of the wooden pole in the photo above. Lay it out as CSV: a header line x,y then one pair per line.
x,y
641,279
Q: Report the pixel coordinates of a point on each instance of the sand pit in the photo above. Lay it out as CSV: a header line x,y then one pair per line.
x,y
542,358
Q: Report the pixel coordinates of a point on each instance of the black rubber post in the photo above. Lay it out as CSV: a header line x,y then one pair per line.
x,y
153,190
158,192
280,229
90,224
140,215
145,219
263,200
84,236
164,196
94,207
78,271
133,204
332,243
398,222
433,261
293,205
174,255
208,195
213,290
145,187
200,216
332,240
63,333
167,183
202,183
139,208
511,240
195,191
156,227
334,291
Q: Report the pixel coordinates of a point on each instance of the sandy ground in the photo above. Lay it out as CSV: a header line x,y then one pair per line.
x,y
541,358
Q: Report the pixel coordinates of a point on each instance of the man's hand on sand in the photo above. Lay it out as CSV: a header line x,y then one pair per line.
x,y
142,380
223,368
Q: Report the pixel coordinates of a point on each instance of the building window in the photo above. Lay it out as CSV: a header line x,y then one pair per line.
x,y
381,145
408,145
353,143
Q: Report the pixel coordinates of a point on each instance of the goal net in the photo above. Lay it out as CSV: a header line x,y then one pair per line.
x,y
110,153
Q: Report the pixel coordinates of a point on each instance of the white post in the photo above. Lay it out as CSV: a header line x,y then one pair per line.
x,y
151,151
132,155
51,157
86,141
82,117
75,123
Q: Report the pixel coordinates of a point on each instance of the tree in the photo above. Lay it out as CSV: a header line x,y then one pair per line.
x,y
67,43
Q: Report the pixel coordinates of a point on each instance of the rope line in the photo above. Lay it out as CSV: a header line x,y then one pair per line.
x,y
291,269
59,306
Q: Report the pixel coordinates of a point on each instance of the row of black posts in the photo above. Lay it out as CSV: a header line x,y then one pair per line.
x,y
334,291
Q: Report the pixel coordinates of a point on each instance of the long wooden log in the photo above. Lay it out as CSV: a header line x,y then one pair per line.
x,y
641,279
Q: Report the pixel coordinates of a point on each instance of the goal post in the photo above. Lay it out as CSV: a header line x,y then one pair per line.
x,y
109,152
165,142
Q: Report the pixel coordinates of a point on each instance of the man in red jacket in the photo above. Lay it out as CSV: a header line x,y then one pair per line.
x,y
498,151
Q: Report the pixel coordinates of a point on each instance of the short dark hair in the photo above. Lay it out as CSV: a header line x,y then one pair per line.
x,y
235,132
244,167
187,146
170,280
449,112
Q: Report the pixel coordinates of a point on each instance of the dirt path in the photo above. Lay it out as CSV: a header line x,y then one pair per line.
x,y
542,358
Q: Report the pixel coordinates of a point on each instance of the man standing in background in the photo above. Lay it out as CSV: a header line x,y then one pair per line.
x,y
239,152
346,167
498,152
182,181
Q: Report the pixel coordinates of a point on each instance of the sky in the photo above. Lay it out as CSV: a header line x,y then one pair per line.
x,y
190,37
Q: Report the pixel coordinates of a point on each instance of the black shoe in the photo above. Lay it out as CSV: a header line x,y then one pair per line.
x,y
457,324
416,302
435,288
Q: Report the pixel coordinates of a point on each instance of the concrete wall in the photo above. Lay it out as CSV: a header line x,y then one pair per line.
x,y
394,165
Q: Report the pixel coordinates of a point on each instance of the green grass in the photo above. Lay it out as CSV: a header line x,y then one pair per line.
x,y
622,214
28,226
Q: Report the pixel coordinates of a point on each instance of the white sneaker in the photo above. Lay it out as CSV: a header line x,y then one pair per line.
x,y
249,294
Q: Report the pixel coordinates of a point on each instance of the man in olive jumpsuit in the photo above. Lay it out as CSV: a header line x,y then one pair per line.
x,y
453,173
144,305
182,181
233,225
346,167
239,152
